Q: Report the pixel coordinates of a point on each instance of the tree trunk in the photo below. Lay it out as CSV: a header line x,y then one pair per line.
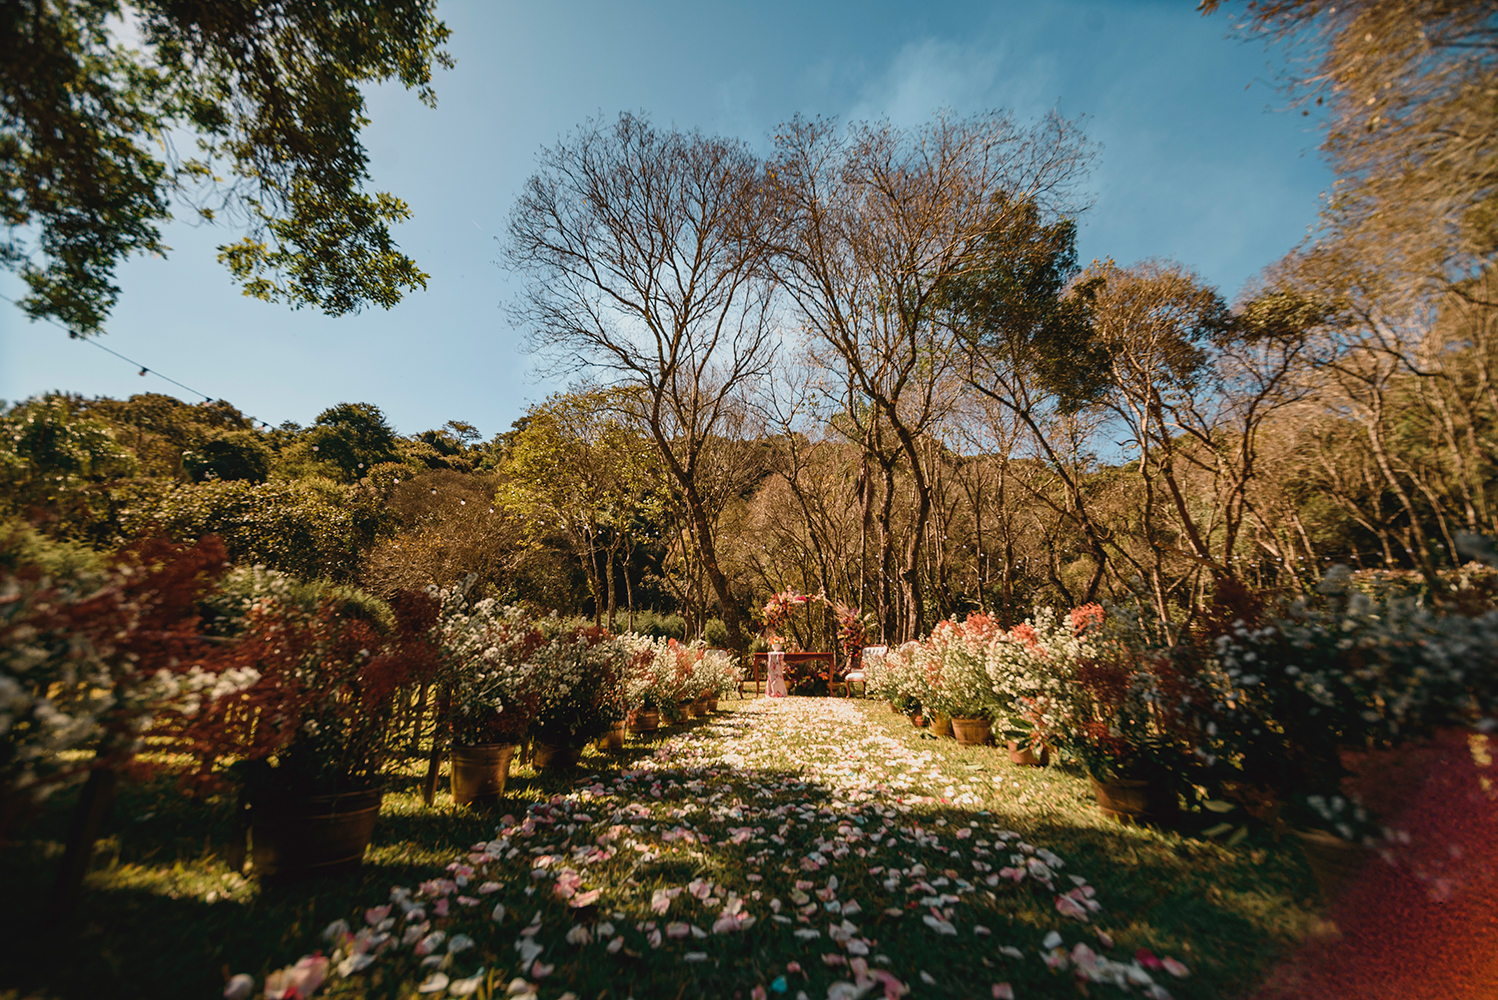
x,y
887,629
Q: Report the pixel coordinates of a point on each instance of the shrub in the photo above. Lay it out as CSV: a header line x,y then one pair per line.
x,y
659,626
90,660
312,529
320,716
954,661
898,678
489,692
579,679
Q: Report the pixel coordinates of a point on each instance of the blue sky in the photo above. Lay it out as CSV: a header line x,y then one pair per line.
x,y
1196,164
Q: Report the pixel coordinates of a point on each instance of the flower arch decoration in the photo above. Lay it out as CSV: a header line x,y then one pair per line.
x,y
852,634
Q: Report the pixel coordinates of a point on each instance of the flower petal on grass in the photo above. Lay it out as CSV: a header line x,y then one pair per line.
x,y
239,987
466,987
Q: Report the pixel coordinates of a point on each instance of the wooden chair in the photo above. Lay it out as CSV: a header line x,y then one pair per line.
x,y
860,675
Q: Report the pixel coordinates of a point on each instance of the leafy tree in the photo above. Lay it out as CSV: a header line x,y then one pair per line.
x,y
54,458
272,94
452,446
236,455
576,466
354,438
1411,90
1028,326
160,429
309,528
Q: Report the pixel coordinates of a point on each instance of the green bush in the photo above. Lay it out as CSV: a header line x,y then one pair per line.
x,y
312,529
659,626
22,545
226,606
232,456
715,633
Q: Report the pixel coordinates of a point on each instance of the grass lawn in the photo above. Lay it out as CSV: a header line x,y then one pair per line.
x,y
816,846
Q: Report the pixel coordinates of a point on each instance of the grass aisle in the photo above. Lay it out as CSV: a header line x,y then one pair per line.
x,y
809,846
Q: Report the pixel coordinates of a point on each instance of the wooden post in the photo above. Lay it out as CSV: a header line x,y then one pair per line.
x,y
434,762
94,806
420,712
434,765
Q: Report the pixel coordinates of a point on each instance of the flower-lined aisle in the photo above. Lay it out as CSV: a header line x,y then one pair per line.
x,y
785,849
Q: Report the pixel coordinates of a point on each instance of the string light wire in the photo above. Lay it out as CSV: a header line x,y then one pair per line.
x,y
144,369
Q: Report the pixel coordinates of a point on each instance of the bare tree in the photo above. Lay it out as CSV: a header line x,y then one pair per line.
x,y
877,222
643,250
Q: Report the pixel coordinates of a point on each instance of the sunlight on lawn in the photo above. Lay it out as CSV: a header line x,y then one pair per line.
x,y
817,847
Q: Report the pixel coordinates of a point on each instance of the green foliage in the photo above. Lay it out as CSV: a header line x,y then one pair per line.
x,y
237,455
354,437
160,428
53,458
76,118
335,252
660,626
48,440
1016,303
309,528
22,545
230,601
273,94
714,633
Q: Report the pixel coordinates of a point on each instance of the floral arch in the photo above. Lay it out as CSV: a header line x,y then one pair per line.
x,y
852,634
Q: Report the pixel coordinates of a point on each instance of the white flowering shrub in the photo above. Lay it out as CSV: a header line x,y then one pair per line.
x,y
897,678
954,663
55,687
490,688
1386,669
1033,668
641,678
1343,669
720,672
580,681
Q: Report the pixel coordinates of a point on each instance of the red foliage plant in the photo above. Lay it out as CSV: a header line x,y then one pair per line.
x,y
111,653
321,708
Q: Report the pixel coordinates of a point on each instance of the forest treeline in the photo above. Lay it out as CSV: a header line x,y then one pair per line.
x,y
870,364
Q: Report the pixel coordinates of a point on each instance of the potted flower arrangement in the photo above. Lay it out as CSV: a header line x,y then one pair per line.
x,y
900,680
488,700
1339,680
1129,714
679,681
958,687
1031,668
95,656
579,679
647,691
313,734
720,674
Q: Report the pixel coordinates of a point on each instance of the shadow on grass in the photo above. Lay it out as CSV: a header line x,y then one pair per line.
x,y
164,917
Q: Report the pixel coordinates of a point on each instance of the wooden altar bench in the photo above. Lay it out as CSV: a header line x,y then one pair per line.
x,y
761,666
